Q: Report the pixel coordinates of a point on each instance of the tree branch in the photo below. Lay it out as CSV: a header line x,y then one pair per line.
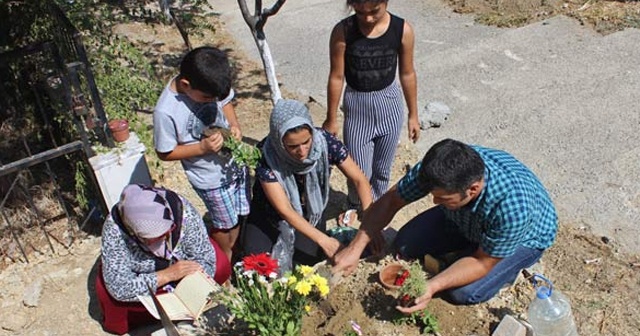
x,y
266,13
274,9
251,20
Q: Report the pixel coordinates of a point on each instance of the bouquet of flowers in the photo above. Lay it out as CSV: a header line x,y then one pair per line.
x,y
269,304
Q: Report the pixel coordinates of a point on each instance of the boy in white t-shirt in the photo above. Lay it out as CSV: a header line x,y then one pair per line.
x,y
200,97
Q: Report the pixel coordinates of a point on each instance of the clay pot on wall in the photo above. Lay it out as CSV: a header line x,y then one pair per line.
x,y
119,129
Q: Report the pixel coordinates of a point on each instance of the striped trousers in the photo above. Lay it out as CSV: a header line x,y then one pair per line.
x,y
372,124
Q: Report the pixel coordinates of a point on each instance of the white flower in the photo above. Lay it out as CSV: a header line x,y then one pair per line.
x,y
250,282
248,274
273,275
262,279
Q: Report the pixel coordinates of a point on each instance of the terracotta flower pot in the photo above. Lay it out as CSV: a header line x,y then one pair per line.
x,y
389,274
119,129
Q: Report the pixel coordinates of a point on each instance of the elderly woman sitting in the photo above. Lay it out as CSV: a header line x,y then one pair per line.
x,y
152,237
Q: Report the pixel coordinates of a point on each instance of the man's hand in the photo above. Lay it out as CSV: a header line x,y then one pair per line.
x,y
177,271
414,129
377,243
212,143
346,261
330,126
420,303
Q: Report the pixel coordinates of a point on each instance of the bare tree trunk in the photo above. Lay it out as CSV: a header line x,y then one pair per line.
x,y
269,68
256,23
165,6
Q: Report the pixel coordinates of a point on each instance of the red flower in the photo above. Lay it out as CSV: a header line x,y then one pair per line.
x,y
405,300
401,277
262,263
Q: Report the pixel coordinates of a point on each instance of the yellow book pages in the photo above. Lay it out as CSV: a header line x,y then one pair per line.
x,y
174,308
194,290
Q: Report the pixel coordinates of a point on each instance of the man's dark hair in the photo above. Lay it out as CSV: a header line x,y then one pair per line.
x,y
207,69
452,166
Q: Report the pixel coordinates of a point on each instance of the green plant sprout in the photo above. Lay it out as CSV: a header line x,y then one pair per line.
x,y
243,153
413,287
427,323
81,185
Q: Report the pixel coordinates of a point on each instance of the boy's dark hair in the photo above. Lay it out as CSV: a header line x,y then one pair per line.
x,y
452,166
207,69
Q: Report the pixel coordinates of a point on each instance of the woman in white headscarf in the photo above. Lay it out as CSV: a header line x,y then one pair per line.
x,y
292,189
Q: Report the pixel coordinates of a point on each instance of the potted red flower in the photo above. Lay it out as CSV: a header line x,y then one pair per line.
x,y
393,275
413,283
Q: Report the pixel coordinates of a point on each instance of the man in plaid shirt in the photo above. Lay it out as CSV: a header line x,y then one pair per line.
x,y
490,208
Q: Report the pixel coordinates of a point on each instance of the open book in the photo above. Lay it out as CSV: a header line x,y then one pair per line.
x,y
189,299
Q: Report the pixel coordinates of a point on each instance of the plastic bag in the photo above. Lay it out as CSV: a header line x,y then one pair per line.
x,y
283,249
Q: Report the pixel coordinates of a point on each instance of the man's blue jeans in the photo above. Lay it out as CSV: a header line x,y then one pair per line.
x,y
431,233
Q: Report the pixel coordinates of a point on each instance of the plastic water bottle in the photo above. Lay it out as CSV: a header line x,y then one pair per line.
x,y
550,311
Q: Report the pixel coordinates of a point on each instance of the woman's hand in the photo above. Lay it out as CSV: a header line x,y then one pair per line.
x,y
177,271
413,129
331,126
330,246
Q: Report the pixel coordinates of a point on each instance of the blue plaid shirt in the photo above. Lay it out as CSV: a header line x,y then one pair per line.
x,y
512,209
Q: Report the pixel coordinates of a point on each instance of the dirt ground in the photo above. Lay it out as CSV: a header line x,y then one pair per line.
x,y
53,294
604,16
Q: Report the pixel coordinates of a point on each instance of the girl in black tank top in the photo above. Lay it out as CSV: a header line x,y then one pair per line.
x,y
367,49
371,63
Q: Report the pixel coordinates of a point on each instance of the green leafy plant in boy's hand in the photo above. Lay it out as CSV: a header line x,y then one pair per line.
x,y
243,153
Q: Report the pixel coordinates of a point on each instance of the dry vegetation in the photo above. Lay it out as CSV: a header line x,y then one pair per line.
x,y
605,16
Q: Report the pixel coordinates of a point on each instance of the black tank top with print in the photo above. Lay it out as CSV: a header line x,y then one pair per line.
x,y
371,63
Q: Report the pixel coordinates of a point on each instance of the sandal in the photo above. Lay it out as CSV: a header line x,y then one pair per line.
x,y
348,217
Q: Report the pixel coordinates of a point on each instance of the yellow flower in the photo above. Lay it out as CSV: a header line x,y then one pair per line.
x,y
307,308
318,280
306,270
303,287
292,279
324,290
